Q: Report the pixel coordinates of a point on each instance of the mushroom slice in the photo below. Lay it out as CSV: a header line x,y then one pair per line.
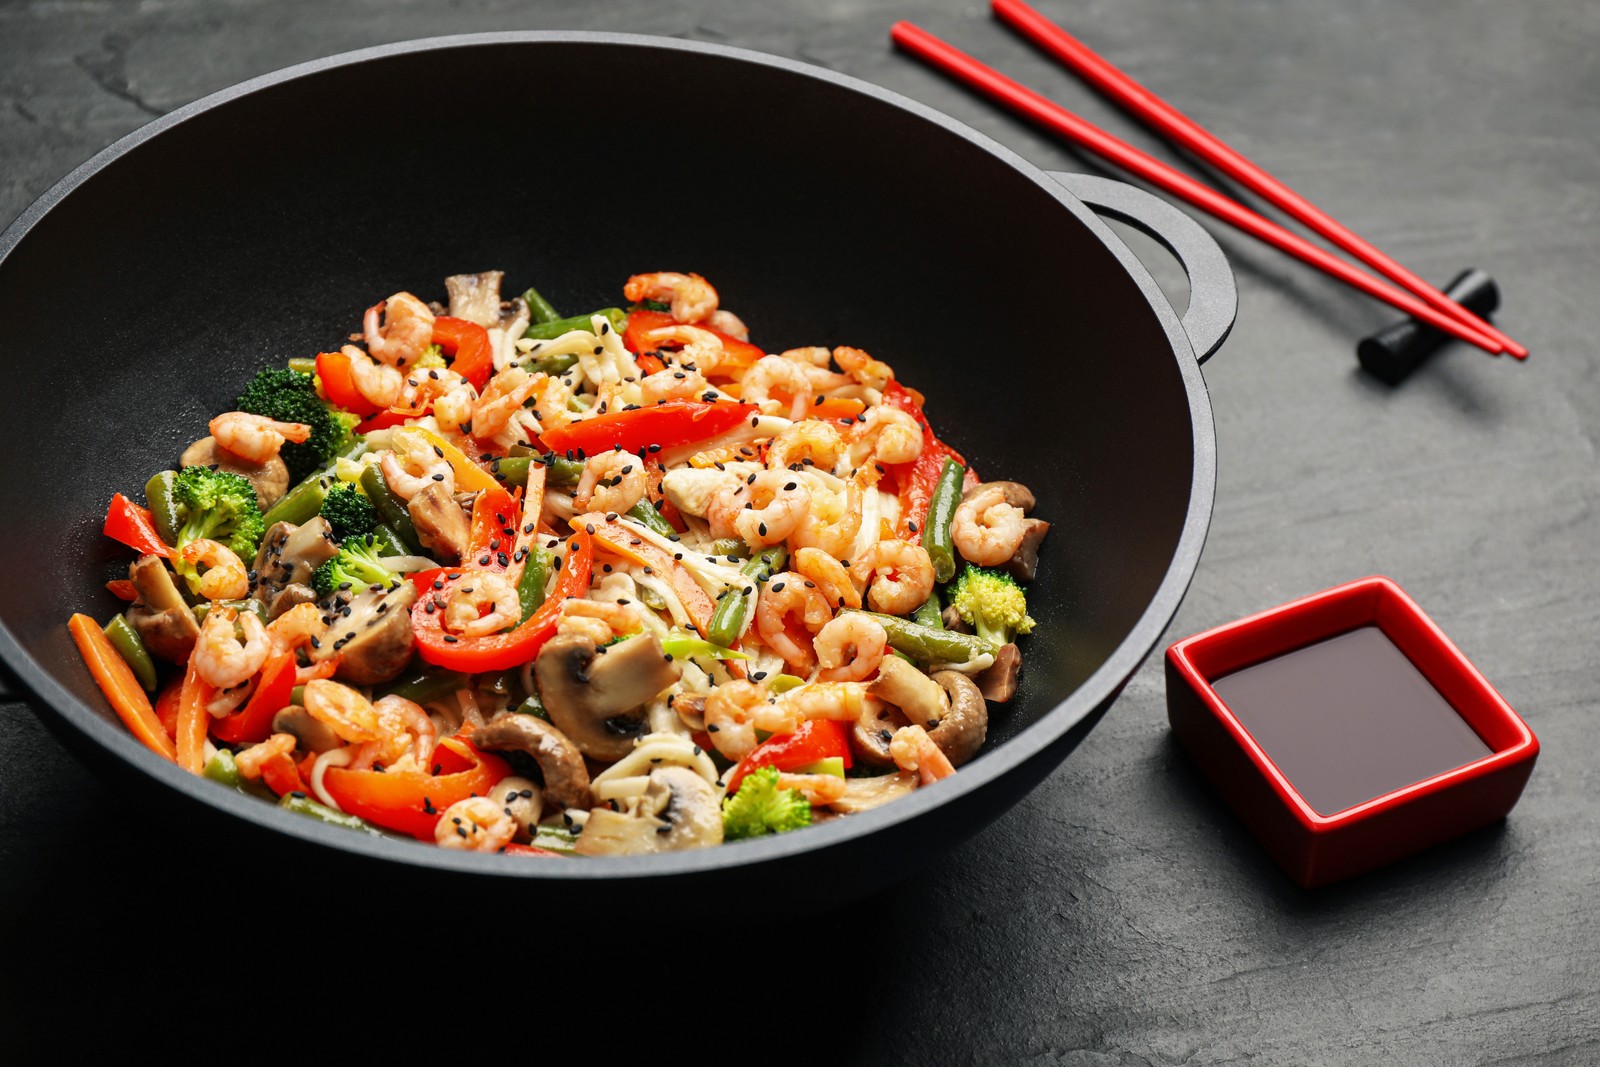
x,y
999,682
290,555
1024,563
566,777
961,730
864,794
596,696
907,688
442,527
870,737
270,479
293,595
162,619
371,634
1016,494
311,735
678,810
475,297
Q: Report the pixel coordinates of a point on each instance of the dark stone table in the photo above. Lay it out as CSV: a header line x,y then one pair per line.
x,y
1119,915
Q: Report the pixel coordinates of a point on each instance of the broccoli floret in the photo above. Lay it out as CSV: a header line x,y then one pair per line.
x,y
760,807
219,506
992,603
348,511
290,396
355,567
432,358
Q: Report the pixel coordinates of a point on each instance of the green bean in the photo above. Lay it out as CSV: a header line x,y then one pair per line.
x,y
301,504
512,470
551,365
730,546
386,542
580,402
782,683
928,614
941,513
727,622
425,685
303,364
558,469
927,645
163,505
530,587
651,519
125,639
546,331
391,509
301,804
539,309
554,838
297,695
532,705
221,768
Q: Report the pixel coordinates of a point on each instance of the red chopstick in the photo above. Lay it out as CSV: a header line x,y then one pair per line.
x,y
1173,124
956,63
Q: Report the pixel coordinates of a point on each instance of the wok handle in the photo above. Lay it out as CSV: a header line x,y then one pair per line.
x,y
1213,296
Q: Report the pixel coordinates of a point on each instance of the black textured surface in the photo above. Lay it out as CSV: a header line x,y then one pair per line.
x,y
1118,915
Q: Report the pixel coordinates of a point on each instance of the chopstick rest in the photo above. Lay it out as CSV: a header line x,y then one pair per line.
x,y
1391,354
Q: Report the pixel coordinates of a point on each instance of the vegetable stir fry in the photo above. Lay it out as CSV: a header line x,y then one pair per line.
x,y
609,584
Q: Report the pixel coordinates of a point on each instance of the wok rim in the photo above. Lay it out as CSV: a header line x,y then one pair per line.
x,y
45,692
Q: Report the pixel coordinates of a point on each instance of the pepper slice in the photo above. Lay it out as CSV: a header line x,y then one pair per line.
x,y
676,422
273,693
736,353
339,384
619,540
469,344
813,740
134,526
411,801
919,478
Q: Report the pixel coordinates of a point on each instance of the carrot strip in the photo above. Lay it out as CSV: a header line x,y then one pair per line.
x,y
115,679
193,720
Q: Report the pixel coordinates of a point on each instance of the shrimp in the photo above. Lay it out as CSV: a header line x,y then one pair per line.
x,y
220,658
412,462
913,750
225,577
788,595
901,575
811,442
839,701
464,614
504,396
407,731
349,714
776,373
693,298
860,367
251,760
829,576
476,824
452,408
599,620
253,437
815,355
987,530
819,789
612,481
730,324
378,383
673,384
296,628
763,510
831,523
702,350
405,333
887,435
850,648
734,712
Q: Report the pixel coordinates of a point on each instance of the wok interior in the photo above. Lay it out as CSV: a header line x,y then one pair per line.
x,y
259,229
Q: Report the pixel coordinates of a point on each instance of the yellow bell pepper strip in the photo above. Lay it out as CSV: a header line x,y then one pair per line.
x,y
470,477
115,679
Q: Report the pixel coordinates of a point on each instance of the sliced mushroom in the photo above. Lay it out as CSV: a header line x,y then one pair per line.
x,y
1017,494
504,334
691,709
162,617
475,297
566,777
907,688
864,794
291,596
999,682
870,737
442,527
953,621
290,555
311,735
1024,563
961,730
270,479
596,696
370,633
677,811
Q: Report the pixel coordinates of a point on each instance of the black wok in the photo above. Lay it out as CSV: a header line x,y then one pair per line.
x,y
248,227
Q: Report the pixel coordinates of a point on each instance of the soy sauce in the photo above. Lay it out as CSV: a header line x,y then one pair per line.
x,y
1349,719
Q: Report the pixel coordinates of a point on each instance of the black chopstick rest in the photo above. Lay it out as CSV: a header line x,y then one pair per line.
x,y
1395,351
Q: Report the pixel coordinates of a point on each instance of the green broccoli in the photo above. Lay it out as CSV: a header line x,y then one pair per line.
x,y
291,396
348,511
760,807
432,357
355,567
992,603
219,506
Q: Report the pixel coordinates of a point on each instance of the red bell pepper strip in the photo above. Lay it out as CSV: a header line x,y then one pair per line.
x,y
735,353
918,478
494,531
469,344
529,850
385,419
412,800
122,589
339,384
167,705
649,364
498,652
815,739
282,776
676,422
253,722
132,525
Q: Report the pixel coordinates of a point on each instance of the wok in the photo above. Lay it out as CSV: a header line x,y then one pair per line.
x,y
144,289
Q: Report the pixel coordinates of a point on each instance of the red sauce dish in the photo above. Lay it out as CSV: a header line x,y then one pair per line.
x,y
1346,730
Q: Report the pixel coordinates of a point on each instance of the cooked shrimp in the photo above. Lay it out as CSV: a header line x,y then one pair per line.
x,y
405,333
225,577
503,398
254,437
839,701
345,711
464,612
599,620
476,824
810,442
411,462
850,648
819,789
730,324
829,576
673,384
612,481
701,350
296,628
763,510
901,575
379,383
815,355
692,297
888,435
830,523
788,596
987,530
913,750
736,710
774,373
452,408
220,658
251,760
860,367
407,732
